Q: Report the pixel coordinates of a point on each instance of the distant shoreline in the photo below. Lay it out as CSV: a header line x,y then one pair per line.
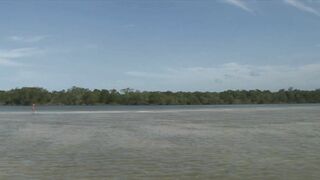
x,y
81,96
141,105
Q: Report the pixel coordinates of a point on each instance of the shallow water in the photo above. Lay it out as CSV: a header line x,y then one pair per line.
x,y
160,142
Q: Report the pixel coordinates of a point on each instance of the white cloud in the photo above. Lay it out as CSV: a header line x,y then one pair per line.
x,y
129,26
239,3
229,76
31,39
19,52
9,57
6,62
302,6
147,74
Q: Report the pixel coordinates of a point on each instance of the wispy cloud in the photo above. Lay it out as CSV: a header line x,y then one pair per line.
x,y
9,57
7,62
147,74
129,26
231,76
302,6
29,39
19,52
240,4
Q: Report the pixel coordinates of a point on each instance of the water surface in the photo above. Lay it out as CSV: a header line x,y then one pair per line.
x,y
160,142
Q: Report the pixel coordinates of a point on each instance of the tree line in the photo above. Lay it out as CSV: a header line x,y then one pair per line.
x,y
83,96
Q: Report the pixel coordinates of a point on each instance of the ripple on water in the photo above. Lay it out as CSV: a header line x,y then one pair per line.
x,y
247,143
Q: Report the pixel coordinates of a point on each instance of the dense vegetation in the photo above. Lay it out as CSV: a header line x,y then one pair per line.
x,y
82,96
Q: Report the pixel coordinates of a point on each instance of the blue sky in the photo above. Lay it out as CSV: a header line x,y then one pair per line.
x,y
187,45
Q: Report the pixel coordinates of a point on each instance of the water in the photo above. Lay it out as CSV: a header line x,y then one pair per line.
x,y
160,142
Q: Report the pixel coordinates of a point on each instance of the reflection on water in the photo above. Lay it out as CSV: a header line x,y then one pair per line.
x,y
166,142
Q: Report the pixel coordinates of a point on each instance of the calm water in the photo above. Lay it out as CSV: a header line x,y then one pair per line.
x,y
161,142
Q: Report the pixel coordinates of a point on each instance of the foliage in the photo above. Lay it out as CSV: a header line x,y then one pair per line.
x,y
82,96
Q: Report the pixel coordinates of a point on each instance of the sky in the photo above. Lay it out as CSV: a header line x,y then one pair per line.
x,y
159,45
